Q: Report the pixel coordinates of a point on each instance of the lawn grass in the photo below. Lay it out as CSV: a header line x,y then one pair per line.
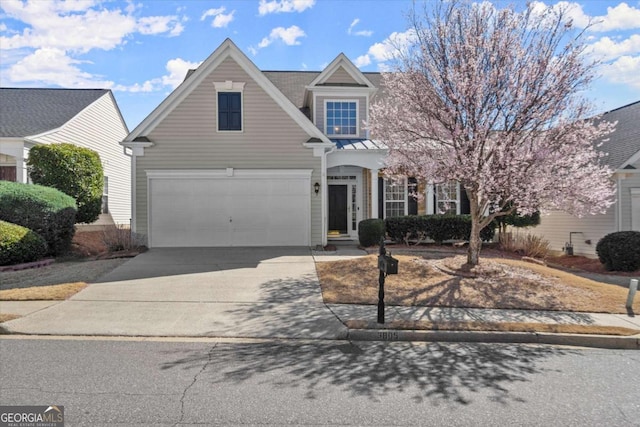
x,y
37,293
500,284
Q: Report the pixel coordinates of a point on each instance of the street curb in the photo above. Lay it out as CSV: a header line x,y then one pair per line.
x,y
578,340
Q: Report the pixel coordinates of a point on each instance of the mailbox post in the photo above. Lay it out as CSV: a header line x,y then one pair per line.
x,y
387,265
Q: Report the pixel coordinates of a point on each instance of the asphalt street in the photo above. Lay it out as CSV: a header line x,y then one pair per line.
x,y
292,382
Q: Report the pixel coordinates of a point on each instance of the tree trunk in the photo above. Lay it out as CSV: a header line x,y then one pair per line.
x,y
475,243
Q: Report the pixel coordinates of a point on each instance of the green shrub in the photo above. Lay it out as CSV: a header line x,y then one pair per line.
x,y
435,227
370,231
620,251
75,171
47,211
19,244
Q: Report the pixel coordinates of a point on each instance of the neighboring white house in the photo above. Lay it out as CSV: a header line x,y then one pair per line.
x,y
623,148
87,118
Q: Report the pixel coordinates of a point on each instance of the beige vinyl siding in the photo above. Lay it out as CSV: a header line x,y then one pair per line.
x,y
632,180
340,76
188,139
320,113
555,228
100,128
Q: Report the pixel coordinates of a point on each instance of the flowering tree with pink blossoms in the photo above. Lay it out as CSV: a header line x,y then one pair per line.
x,y
492,99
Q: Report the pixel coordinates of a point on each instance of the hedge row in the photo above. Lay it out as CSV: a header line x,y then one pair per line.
x,y
44,210
435,227
19,244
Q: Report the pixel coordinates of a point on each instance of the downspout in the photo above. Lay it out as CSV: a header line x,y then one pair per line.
x,y
618,203
133,189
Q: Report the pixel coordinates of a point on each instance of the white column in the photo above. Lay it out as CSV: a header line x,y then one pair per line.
x,y
431,209
374,192
21,166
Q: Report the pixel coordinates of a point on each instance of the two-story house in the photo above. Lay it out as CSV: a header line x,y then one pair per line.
x,y
236,156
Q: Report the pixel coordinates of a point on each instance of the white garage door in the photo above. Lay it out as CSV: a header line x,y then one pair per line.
x,y
229,208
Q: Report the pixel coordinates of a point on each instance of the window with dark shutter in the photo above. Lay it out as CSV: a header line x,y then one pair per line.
x,y
229,111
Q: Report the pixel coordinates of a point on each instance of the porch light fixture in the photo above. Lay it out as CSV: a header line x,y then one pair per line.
x,y
316,187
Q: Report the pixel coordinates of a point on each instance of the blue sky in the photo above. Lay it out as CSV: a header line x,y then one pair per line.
x,y
142,49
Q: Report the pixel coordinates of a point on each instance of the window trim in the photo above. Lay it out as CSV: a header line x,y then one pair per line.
x,y
104,209
439,200
403,183
230,86
326,118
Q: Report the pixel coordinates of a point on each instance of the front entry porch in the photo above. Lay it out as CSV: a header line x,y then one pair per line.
x,y
346,203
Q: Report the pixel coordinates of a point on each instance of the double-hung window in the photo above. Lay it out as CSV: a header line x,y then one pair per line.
x,y
395,198
448,196
341,118
229,105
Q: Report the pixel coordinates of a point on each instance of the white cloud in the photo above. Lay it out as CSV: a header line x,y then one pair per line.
x,y
362,61
177,69
618,18
220,20
607,49
625,70
386,50
3,27
151,25
53,67
289,36
364,33
283,6
56,34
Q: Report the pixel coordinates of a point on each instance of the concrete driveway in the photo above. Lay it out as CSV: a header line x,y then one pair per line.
x,y
215,292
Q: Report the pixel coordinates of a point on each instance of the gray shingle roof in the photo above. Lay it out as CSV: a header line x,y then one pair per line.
x,y
28,111
292,83
624,142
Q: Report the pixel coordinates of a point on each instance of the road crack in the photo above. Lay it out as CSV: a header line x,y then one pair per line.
x,y
193,382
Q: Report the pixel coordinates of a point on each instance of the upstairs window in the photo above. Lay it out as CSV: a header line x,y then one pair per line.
x,y
229,104
342,118
229,111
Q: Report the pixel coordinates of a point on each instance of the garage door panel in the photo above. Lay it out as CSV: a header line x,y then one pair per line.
x,y
229,211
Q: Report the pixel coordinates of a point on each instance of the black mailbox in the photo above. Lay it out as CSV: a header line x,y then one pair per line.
x,y
387,264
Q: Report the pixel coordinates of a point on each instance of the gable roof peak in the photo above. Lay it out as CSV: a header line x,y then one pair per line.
x,y
342,61
227,49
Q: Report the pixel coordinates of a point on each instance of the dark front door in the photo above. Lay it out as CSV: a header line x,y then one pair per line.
x,y
7,173
338,208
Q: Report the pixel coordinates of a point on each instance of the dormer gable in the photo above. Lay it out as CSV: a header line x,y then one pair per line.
x,y
341,72
339,98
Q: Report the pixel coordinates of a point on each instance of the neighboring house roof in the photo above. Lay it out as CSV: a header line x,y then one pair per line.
x,y
623,144
29,111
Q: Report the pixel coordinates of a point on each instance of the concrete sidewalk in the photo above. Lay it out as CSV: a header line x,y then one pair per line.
x,y
263,293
